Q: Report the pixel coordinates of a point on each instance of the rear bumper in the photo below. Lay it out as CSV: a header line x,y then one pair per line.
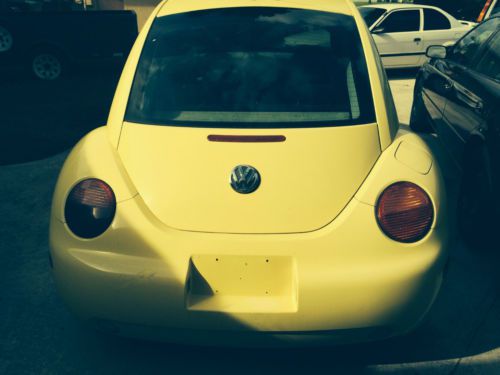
x,y
344,283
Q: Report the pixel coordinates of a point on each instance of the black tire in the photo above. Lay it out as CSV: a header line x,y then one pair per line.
x,y
419,121
477,209
47,64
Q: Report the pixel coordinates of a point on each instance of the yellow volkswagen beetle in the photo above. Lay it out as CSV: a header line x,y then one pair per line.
x,y
251,186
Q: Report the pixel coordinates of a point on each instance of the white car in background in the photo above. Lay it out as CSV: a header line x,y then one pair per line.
x,y
403,32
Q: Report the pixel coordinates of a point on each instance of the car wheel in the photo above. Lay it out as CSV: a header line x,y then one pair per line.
x,y
6,40
419,122
47,65
476,210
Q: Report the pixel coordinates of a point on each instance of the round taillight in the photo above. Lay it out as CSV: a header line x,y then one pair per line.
x,y
405,212
90,208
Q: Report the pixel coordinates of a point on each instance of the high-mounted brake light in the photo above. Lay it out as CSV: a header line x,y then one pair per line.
x,y
405,212
246,138
90,208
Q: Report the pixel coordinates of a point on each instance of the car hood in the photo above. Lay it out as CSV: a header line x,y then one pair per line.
x,y
306,180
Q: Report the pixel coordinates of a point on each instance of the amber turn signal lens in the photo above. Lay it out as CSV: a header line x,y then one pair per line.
x,y
90,208
405,212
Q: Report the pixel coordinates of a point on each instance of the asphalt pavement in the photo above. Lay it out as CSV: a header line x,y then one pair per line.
x,y
39,336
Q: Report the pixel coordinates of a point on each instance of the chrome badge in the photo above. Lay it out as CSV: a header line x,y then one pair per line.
x,y
245,179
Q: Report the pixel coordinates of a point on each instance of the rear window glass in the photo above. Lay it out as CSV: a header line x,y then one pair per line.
x,y
371,14
252,68
434,20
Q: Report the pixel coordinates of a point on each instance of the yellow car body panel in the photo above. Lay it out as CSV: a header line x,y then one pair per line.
x,y
92,157
181,6
330,275
295,195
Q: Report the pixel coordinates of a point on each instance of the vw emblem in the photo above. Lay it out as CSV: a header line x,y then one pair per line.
x,y
245,179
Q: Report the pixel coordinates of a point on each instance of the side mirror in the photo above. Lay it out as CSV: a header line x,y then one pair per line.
x,y
436,52
378,30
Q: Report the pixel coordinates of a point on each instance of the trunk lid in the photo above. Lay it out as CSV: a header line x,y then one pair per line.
x,y
306,180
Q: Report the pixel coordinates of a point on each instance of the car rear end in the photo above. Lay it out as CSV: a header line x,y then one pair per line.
x,y
343,240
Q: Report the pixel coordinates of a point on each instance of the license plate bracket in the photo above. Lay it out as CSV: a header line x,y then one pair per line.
x,y
235,283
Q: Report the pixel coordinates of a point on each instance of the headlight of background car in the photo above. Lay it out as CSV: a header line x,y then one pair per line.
x,y
405,212
90,208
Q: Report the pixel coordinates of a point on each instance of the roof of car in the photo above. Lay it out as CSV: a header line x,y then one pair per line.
x,y
181,6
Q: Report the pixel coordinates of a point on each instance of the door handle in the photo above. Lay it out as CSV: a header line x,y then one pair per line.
x,y
417,40
471,100
448,85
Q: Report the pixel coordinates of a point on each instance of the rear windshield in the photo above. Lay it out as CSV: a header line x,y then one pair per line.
x,y
371,14
252,68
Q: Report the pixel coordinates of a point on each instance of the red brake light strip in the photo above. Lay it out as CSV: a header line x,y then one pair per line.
x,y
247,138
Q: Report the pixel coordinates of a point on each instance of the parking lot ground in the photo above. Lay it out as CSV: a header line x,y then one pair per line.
x,y
404,97
39,336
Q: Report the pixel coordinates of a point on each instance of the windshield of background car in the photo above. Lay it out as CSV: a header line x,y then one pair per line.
x,y
371,14
252,68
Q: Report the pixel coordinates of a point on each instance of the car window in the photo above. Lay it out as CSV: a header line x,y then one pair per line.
x,y
255,68
371,15
489,63
401,21
434,20
466,48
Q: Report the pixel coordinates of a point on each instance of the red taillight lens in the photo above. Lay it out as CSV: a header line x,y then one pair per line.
x,y
90,208
405,212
